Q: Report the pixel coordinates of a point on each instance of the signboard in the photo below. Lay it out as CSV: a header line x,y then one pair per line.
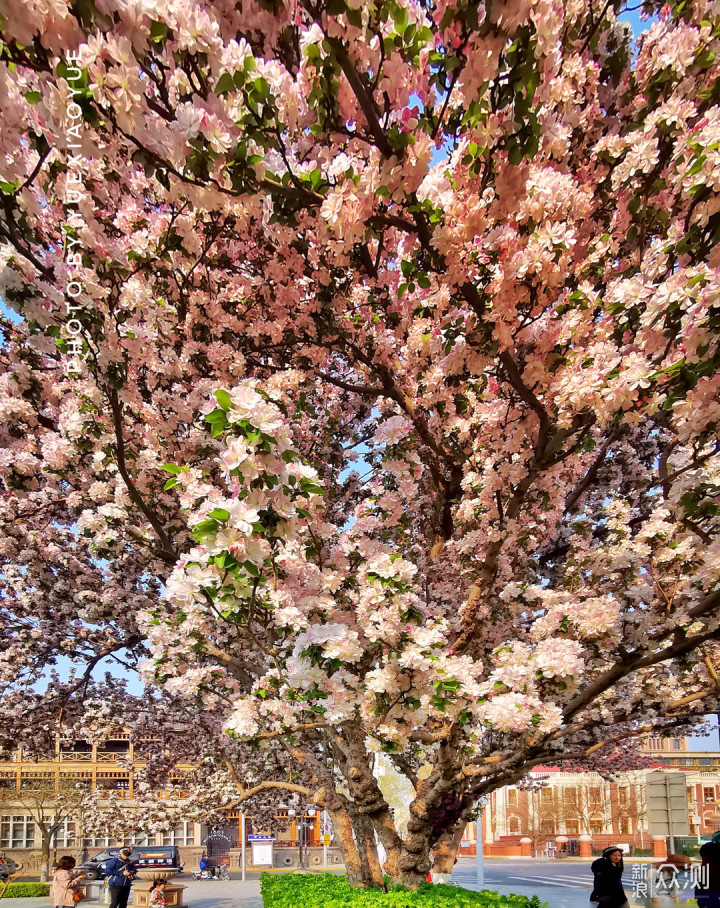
x,y
262,853
327,839
262,849
667,803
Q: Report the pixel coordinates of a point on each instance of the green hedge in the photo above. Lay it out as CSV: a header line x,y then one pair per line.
x,y
26,890
326,890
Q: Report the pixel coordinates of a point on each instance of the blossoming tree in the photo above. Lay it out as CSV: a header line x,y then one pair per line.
x,y
470,249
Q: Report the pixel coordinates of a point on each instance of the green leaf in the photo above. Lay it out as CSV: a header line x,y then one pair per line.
x,y
400,18
219,514
172,468
158,31
205,528
33,97
225,84
223,399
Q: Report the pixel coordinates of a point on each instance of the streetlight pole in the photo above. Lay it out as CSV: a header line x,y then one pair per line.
x,y
324,833
242,843
479,865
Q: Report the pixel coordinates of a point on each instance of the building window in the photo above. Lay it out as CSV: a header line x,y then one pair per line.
x,y
709,794
595,796
141,839
17,832
623,796
596,827
547,794
624,825
64,837
572,827
99,842
184,834
513,826
114,783
676,744
512,796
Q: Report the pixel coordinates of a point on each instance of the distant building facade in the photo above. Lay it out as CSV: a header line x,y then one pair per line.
x,y
574,804
104,767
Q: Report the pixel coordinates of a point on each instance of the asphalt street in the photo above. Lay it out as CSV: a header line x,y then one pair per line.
x,y
560,884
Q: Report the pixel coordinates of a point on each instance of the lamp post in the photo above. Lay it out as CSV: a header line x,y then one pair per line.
x,y
479,866
304,821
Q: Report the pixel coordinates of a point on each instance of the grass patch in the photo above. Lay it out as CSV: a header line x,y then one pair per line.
x,y
325,890
26,890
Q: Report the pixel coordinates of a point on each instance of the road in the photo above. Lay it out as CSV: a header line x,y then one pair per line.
x,y
560,884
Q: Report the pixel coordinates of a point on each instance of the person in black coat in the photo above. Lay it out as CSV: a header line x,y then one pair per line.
x,y
608,889
708,892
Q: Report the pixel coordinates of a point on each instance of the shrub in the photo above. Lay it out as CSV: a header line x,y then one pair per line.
x,y
26,890
331,891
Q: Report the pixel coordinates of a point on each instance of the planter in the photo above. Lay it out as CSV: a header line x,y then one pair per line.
x,y
148,874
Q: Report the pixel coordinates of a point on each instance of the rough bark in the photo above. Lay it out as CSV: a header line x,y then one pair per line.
x,y
355,764
45,855
365,838
445,851
356,870
339,808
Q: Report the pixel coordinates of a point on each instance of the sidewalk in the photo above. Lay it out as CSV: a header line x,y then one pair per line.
x,y
206,894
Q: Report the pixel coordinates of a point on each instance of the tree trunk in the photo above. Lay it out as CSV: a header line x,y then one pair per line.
x,y
45,856
356,850
435,809
356,765
367,847
445,851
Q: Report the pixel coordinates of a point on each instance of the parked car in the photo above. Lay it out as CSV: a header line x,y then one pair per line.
x,y
95,867
7,867
149,857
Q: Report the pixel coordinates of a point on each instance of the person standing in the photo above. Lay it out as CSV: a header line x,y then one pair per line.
x,y
66,882
608,889
120,874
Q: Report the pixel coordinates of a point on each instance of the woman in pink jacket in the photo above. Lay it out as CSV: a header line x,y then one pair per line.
x,y
65,883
